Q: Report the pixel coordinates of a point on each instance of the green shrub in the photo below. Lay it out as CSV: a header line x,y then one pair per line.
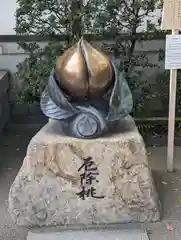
x,y
72,19
35,71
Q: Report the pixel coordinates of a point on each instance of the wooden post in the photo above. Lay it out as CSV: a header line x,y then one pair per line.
x,y
171,124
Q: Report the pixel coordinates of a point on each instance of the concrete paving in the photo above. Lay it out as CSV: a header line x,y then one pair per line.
x,y
137,234
13,146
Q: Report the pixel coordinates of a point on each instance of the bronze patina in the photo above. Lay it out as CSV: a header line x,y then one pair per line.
x,y
86,93
84,71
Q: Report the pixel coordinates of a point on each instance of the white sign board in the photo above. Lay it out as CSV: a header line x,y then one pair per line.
x,y
173,52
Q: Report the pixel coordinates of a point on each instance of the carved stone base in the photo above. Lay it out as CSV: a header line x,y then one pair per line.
x,y
72,181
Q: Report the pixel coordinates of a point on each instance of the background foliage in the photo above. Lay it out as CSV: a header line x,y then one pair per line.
x,y
109,18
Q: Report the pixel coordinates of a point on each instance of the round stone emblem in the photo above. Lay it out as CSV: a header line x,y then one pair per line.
x,y
87,125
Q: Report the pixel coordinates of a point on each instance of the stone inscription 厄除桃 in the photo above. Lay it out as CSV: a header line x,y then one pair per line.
x,y
88,179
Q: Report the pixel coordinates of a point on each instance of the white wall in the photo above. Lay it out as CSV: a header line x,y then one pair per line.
x,y
7,16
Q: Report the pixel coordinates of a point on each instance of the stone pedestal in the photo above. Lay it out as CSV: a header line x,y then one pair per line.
x,y
72,181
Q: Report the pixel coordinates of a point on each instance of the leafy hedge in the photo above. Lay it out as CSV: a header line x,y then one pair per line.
x,y
73,19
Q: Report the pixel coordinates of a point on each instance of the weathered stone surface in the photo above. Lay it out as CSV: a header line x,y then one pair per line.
x,y
46,187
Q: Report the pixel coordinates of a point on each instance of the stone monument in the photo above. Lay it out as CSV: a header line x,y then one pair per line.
x,y
88,164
